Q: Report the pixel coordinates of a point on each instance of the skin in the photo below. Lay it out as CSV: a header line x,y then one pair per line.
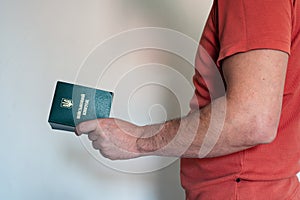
x,y
255,83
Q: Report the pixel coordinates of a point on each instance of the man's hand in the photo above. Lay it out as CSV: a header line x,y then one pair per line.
x,y
119,140
115,139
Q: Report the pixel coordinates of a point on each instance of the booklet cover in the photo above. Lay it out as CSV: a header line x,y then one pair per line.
x,y
73,104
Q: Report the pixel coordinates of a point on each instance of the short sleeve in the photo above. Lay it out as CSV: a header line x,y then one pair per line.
x,y
244,25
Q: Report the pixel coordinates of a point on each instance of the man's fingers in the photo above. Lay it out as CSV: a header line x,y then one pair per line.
x,y
86,127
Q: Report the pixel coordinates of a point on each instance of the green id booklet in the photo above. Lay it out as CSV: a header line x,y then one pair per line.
x,y
73,104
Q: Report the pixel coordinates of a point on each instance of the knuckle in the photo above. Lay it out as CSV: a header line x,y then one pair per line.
x,y
92,137
104,154
95,145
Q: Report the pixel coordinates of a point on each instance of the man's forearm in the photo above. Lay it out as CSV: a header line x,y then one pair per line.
x,y
213,131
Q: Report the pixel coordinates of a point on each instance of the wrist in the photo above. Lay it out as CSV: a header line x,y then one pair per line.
x,y
146,142
157,139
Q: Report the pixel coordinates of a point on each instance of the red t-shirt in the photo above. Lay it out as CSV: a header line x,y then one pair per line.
x,y
265,171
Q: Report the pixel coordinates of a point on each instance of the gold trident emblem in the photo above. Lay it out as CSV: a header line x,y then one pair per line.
x,y
66,103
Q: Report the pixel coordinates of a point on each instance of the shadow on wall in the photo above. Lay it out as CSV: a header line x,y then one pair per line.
x,y
185,16
184,19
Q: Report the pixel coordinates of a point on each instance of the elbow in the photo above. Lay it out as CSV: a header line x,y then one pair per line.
x,y
264,136
265,129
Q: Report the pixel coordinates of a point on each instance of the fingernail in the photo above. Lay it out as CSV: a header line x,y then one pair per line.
x,y
77,132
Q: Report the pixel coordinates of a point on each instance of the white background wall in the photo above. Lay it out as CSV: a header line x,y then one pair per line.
x,y
45,41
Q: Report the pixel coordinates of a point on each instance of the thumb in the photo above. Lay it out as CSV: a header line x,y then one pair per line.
x,y
86,127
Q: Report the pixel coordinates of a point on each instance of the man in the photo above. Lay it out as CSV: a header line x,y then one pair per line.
x,y
256,155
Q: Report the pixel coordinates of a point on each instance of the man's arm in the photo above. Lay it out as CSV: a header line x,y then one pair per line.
x,y
255,82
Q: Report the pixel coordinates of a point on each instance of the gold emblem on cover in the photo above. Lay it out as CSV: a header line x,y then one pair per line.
x,y
66,103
